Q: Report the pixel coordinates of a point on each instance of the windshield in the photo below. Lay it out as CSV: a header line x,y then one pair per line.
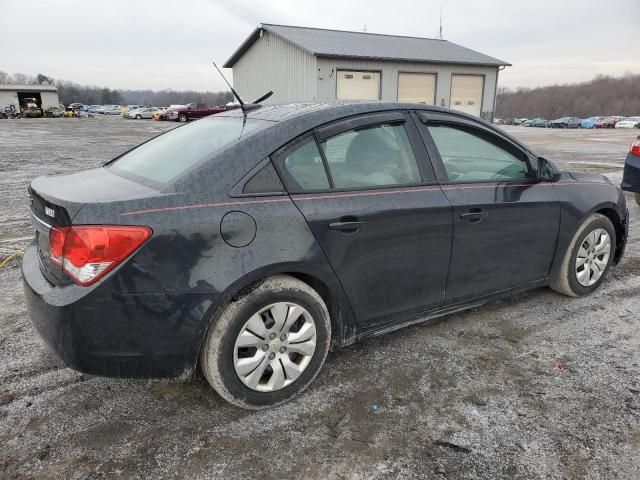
x,y
167,156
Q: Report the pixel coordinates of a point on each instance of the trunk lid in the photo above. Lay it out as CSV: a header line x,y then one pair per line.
x,y
57,199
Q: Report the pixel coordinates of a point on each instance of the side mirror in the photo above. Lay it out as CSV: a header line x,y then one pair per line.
x,y
546,171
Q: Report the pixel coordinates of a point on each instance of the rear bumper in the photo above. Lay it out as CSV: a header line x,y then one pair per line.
x,y
99,332
631,174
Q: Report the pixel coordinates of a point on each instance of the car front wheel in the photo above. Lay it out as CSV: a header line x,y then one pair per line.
x,y
588,258
266,347
182,118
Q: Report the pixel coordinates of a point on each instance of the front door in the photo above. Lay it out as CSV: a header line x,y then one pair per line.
x,y
369,196
506,222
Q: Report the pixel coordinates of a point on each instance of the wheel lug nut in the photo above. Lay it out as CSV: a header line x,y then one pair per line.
x,y
272,356
272,336
283,349
283,337
265,347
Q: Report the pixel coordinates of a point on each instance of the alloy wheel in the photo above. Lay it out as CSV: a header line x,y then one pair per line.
x,y
593,257
274,347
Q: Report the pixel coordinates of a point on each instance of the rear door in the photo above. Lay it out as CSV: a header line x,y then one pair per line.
x,y
370,198
506,222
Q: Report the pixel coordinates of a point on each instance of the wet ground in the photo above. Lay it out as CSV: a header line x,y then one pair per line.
x,y
538,386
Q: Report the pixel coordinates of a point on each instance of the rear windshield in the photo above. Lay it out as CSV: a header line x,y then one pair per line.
x,y
167,156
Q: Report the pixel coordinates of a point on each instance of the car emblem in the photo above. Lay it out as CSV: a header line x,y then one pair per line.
x,y
49,212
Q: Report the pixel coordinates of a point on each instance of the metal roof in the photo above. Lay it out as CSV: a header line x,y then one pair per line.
x,y
27,88
344,44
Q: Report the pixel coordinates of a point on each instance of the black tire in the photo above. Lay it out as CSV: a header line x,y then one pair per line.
x,y
138,117
566,281
182,118
216,356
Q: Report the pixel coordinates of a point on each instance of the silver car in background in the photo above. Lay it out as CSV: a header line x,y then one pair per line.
x,y
140,113
629,122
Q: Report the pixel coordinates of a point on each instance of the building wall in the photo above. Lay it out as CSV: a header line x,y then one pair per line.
x,y
272,63
326,78
8,98
49,99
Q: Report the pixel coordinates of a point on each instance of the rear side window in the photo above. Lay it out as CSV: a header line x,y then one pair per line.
x,y
167,156
469,155
303,168
378,155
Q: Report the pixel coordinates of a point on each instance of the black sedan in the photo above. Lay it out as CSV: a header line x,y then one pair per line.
x,y
248,243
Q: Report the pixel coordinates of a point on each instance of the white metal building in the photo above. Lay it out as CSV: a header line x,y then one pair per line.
x,y
302,64
46,96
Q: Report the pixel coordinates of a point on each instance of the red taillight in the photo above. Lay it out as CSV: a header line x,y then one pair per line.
x,y
635,147
88,252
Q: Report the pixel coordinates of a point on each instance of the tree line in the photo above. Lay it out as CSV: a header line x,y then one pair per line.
x,y
604,95
71,92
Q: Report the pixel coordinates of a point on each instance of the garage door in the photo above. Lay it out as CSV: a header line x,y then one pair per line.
x,y
354,85
466,93
417,88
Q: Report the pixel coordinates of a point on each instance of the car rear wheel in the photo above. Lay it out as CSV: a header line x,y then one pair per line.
x,y
588,258
138,117
266,347
182,118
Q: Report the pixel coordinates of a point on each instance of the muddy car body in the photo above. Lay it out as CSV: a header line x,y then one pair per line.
x,y
293,209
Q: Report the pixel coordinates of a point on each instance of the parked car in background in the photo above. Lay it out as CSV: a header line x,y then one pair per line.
x,y
566,122
245,247
54,112
193,111
538,122
94,109
589,122
519,121
140,113
629,122
128,108
608,122
112,110
76,106
162,114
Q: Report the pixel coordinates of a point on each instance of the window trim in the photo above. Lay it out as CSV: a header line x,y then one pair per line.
x,y
462,123
237,191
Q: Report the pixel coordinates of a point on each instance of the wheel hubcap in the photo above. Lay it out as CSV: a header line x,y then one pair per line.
x,y
274,347
593,257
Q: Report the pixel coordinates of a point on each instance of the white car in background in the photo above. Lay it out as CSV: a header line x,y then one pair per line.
x,y
140,113
629,122
112,110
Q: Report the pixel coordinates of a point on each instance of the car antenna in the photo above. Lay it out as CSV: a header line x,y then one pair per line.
x,y
244,106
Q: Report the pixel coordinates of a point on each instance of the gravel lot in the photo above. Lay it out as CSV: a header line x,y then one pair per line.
x,y
538,386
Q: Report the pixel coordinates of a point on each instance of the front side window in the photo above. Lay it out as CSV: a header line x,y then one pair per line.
x,y
469,155
168,156
374,156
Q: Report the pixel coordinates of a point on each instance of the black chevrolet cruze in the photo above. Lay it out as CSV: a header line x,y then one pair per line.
x,y
245,244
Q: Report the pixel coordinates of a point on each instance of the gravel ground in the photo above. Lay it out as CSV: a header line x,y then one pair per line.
x,y
538,386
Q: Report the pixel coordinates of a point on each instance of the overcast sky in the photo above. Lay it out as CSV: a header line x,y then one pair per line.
x,y
161,44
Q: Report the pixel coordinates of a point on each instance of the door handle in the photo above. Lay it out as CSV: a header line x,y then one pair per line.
x,y
474,215
347,227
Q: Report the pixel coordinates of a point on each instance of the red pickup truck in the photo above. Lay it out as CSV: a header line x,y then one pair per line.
x,y
192,111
